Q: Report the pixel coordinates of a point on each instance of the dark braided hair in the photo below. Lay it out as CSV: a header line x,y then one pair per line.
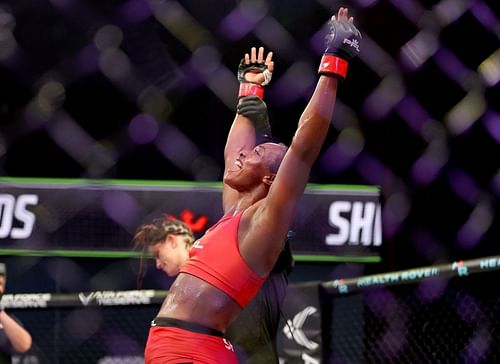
x,y
155,232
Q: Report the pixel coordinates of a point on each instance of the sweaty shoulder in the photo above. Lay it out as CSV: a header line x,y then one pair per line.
x,y
258,240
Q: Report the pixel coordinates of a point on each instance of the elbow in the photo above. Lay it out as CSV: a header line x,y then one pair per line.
x,y
25,345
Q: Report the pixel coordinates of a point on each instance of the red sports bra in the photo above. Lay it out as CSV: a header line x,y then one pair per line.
x,y
216,259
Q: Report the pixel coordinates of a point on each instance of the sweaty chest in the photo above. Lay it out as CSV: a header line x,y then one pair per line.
x,y
220,241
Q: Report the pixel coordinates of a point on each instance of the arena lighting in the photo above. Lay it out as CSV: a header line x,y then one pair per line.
x,y
100,90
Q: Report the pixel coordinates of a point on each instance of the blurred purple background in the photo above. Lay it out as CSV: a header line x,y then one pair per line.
x,y
147,90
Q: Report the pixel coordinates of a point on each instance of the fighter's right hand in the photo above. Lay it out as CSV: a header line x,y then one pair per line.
x,y
254,68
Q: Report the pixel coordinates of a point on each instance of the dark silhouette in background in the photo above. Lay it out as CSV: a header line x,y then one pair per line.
x,y
14,338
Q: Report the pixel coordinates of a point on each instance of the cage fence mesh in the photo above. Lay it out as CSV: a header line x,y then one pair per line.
x,y
434,320
101,335
451,320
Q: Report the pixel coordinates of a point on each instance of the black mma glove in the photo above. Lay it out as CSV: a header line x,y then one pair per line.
x,y
255,110
248,88
341,45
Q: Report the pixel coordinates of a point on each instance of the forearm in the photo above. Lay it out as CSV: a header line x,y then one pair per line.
x,y
251,119
315,120
241,136
17,335
342,44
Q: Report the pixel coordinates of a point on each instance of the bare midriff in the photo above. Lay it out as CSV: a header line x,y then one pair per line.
x,y
194,300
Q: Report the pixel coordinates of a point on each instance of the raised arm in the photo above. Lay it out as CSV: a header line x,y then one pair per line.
x,y
273,217
342,44
251,120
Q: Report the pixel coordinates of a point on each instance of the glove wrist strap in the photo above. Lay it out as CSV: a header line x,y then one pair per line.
x,y
247,89
333,65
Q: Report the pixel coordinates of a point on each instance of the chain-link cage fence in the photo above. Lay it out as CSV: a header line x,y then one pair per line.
x,y
94,334
102,335
434,320
438,314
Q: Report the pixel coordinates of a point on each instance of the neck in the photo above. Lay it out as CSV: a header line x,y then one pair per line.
x,y
247,199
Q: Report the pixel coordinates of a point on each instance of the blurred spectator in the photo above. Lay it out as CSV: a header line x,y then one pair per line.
x,y
13,336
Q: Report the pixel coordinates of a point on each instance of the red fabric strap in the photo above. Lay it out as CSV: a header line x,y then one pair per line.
x,y
247,89
331,64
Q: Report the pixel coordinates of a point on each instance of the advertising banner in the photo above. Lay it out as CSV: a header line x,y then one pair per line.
x,y
299,336
102,215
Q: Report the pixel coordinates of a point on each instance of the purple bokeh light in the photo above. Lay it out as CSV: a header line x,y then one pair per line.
x,y
464,186
143,129
134,11
120,207
237,24
491,121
